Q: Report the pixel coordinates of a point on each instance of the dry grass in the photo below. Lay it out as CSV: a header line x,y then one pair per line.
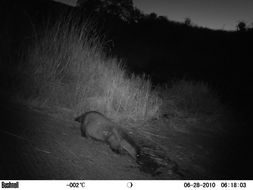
x,y
191,98
67,67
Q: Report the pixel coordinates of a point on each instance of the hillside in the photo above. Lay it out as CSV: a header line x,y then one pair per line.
x,y
181,90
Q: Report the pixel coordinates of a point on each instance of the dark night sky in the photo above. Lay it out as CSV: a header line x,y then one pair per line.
x,y
216,14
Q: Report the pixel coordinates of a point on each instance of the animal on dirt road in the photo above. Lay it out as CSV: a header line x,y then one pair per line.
x,y
97,126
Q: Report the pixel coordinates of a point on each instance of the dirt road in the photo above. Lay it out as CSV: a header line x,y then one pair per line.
x,y
36,145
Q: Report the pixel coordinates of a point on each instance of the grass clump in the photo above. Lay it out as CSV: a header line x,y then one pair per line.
x,y
190,98
67,67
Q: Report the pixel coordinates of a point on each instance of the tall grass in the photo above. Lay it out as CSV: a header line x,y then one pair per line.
x,y
190,98
67,67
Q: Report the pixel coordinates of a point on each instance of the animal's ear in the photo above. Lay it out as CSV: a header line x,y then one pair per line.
x,y
79,118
